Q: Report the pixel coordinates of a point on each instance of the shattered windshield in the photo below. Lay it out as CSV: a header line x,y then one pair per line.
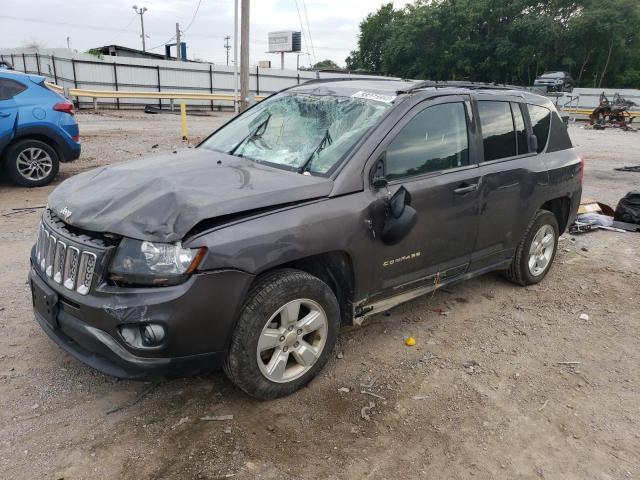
x,y
303,132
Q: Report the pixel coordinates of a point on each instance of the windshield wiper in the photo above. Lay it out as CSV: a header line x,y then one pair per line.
x,y
324,143
257,132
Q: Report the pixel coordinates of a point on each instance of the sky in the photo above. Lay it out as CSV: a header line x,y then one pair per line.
x,y
333,25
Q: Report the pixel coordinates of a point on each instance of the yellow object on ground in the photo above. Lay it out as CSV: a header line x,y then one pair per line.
x,y
183,120
410,342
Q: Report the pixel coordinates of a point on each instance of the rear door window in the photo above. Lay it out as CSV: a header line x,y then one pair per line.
x,y
498,133
435,139
521,130
540,121
10,88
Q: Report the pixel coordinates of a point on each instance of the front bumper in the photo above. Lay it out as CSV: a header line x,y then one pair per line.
x,y
199,317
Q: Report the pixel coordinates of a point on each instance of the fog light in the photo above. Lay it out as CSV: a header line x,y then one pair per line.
x,y
142,335
153,334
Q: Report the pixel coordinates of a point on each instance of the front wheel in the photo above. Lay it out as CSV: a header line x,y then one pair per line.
x,y
536,251
285,334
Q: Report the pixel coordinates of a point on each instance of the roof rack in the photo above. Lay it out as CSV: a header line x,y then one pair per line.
x,y
458,84
375,79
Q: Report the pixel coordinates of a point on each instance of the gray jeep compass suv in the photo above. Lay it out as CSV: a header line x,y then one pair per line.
x,y
327,202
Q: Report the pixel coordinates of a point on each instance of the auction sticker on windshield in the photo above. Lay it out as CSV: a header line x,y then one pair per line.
x,y
374,96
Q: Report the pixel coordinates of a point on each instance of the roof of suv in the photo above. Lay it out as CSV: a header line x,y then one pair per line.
x,y
347,87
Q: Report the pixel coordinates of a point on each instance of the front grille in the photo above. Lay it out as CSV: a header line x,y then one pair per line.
x,y
68,259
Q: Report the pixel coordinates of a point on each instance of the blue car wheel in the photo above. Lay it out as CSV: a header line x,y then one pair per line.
x,y
31,163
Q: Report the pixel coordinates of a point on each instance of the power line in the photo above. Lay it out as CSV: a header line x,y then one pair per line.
x,y
161,44
194,16
304,36
313,50
183,31
122,31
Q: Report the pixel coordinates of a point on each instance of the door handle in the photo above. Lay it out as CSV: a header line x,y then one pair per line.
x,y
462,190
4,114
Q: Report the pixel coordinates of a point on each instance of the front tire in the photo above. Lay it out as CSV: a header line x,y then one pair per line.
x,y
536,251
285,334
31,163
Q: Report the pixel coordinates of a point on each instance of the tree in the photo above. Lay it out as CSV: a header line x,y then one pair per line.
x,y
510,41
326,65
372,39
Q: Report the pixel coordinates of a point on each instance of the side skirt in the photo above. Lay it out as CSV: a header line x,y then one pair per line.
x,y
363,309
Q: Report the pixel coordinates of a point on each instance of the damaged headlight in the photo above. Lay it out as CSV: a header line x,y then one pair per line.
x,y
152,263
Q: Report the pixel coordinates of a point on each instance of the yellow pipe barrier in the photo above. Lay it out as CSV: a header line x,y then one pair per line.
x,y
78,92
183,120
54,87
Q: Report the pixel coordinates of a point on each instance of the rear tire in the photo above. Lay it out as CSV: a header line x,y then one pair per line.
x,y
284,336
536,251
31,163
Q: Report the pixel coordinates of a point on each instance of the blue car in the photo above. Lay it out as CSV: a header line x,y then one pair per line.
x,y
37,129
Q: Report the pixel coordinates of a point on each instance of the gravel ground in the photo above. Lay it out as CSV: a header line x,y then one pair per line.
x,y
481,395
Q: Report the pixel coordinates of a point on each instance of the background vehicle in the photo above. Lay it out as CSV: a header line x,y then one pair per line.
x,y
37,129
555,82
329,201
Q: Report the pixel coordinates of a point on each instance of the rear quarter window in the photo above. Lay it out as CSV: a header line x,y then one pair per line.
x,y
540,123
560,139
10,88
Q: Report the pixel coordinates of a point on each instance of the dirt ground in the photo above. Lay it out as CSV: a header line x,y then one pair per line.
x,y
482,395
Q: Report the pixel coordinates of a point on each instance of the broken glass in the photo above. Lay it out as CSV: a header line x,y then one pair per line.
x,y
302,132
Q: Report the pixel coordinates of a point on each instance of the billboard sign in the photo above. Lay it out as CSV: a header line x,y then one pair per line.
x,y
284,41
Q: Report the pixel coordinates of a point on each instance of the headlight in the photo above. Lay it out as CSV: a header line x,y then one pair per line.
x,y
151,263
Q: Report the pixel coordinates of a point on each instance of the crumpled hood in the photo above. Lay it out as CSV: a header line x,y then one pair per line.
x,y
161,198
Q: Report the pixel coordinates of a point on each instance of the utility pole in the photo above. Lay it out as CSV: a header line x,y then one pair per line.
x,y
244,55
178,44
227,47
235,57
69,42
140,11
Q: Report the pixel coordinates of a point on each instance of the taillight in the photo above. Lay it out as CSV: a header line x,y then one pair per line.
x,y
581,168
66,107
76,138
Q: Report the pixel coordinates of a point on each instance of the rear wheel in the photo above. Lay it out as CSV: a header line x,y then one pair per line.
x,y
285,334
31,163
536,251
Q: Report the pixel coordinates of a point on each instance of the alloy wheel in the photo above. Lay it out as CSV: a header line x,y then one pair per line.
x,y
541,250
34,163
292,340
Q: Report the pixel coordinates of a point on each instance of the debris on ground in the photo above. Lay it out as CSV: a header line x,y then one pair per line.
x,y
372,381
344,390
364,392
584,316
628,208
366,410
612,113
471,366
410,342
634,168
440,310
217,418
182,421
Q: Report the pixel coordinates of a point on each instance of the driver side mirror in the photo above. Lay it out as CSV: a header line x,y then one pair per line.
x,y
392,217
401,217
